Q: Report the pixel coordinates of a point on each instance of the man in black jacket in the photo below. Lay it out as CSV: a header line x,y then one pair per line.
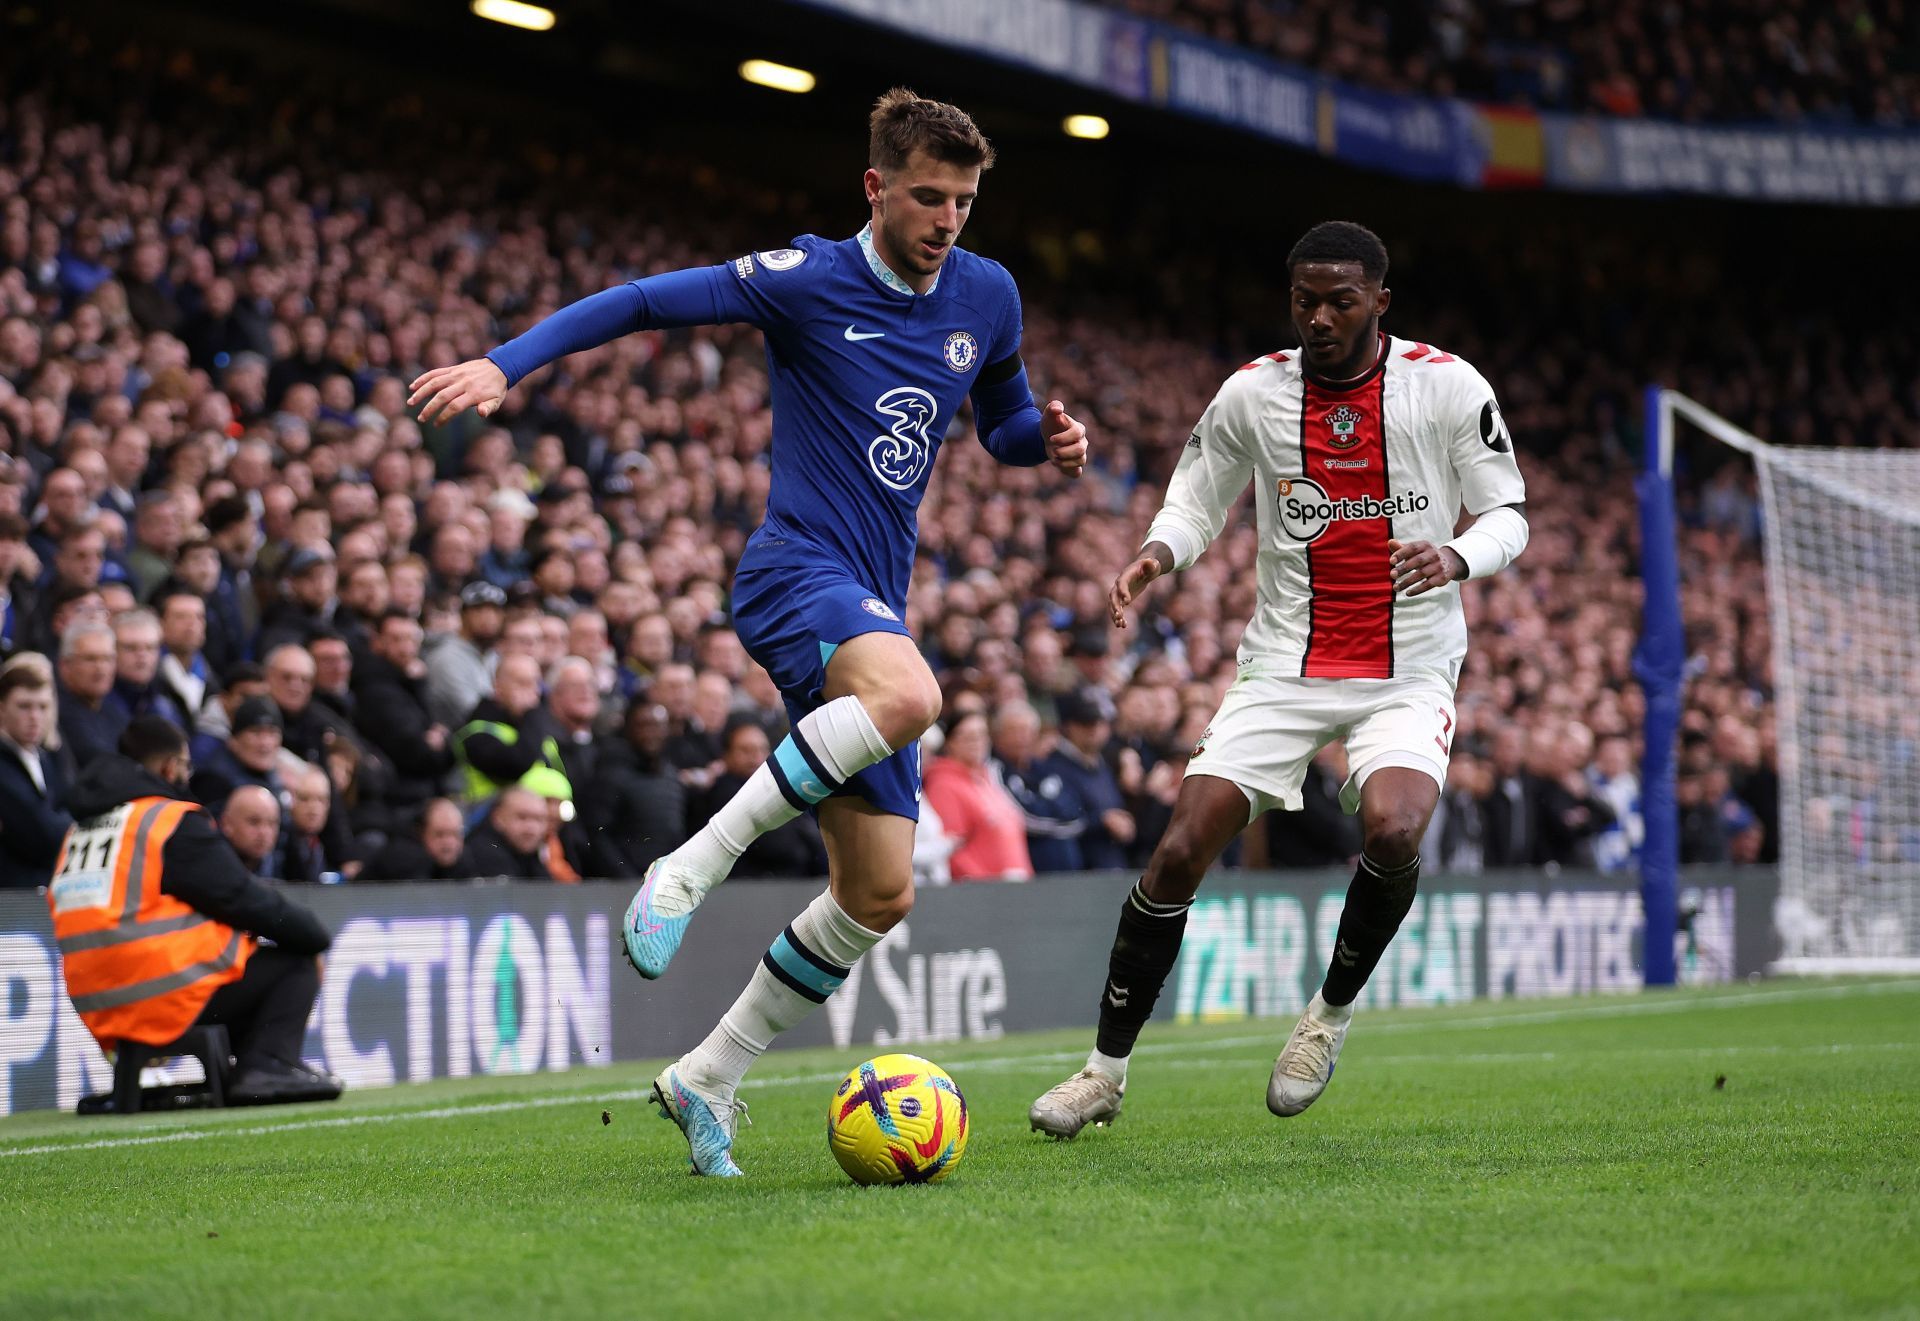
x,y
390,710
266,1009
793,849
635,809
438,852
511,841
248,756
33,780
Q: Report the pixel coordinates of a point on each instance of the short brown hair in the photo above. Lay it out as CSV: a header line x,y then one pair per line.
x,y
30,677
902,123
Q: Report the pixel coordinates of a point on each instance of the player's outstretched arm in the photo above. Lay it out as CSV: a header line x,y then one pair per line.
x,y
703,296
1154,560
1066,439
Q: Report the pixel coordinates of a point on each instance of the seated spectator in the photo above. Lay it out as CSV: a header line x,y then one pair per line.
x,y
158,532
249,756
306,604
137,688
19,598
505,735
1456,836
512,841
184,675
573,707
333,674
307,728
1077,759
1055,819
975,808
1320,834
33,778
437,851
317,843
692,747
635,807
250,820
390,711
457,662
792,849
90,725
215,721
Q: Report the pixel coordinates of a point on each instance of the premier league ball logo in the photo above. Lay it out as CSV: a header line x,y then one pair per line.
x,y
960,350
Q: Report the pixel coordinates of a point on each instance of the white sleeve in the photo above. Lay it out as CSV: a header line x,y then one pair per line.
x,y
1480,445
1214,469
1493,542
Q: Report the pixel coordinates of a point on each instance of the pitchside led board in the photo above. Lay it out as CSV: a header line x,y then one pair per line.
x,y
458,980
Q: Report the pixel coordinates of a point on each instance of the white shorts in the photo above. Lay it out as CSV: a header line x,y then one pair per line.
x,y
1270,726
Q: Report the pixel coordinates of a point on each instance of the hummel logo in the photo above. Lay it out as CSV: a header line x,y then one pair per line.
x,y
1117,996
1343,954
858,335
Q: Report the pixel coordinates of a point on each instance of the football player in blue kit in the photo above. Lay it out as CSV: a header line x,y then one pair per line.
x,y
872,343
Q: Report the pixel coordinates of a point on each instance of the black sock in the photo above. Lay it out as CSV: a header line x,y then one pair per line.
x,y
1144,949
1376,902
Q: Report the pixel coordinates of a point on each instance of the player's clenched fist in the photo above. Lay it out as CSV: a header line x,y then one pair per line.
x,y
450,391
1066,439
1421,566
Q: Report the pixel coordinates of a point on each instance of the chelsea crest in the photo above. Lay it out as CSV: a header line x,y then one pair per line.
x,y
960,350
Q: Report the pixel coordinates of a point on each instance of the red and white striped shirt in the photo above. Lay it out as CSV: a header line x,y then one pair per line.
x,y
1337,472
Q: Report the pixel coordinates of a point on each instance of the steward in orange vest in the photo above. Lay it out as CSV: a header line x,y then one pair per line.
x,y
156,919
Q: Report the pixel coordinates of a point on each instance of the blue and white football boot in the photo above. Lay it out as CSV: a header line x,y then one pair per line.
x,y
1305,1066
648,939
707,1123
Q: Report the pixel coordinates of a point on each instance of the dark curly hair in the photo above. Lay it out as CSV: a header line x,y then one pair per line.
x,y
1342,241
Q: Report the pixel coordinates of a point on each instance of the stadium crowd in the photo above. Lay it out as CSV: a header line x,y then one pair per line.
x,y
503,648
1840,63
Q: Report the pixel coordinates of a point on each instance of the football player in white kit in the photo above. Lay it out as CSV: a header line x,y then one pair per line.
x,y
1362,449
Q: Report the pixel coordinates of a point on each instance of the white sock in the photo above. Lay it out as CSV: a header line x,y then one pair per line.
x,y
1114,1066
806,964
1327,1013
828,746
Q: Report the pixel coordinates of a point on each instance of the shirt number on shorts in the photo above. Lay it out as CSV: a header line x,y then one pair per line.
x,y
1445,737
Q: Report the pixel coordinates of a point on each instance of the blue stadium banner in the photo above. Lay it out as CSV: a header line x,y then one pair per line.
x,y
1410,136
472,980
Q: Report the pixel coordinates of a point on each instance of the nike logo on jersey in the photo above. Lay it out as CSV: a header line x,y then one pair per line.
x,y
857,335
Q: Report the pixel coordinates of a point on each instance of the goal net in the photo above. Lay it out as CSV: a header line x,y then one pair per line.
x,y
1841,529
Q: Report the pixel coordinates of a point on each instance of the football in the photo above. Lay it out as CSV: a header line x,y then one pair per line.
x,y
897,1119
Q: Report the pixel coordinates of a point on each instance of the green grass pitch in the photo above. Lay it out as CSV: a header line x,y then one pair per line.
x,y
1546,1159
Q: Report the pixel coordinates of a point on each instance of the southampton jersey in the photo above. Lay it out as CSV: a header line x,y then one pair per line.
x,y
1337,472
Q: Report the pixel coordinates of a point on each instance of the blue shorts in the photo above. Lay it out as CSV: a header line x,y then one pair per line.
x,y
791,619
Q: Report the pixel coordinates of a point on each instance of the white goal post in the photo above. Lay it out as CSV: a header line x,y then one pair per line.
x,y
1841,530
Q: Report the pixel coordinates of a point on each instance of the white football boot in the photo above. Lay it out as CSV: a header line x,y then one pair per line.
x,y
1305,1066
1089,1097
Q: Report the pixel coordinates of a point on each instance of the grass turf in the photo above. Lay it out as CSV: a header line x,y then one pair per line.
x,y
1562,1159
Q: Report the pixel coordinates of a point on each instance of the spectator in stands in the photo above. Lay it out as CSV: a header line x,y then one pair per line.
x,y
506,734
316,846
158,533
18,596
250,819
513,838
90,725
390,711
1456,838
1078,760
1320,834
232,610
1617,846
307,602
974,807
436,851
458,664
792,849
333,674
33,778
1055,819
184,675
306,728
573,707
1512,807
249,756
635,807
64,510
137,687
215,722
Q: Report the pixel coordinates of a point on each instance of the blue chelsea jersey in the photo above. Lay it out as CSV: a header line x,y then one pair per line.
x,y
867,378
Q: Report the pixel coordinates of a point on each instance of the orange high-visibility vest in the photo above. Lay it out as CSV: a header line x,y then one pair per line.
x,y
140,965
